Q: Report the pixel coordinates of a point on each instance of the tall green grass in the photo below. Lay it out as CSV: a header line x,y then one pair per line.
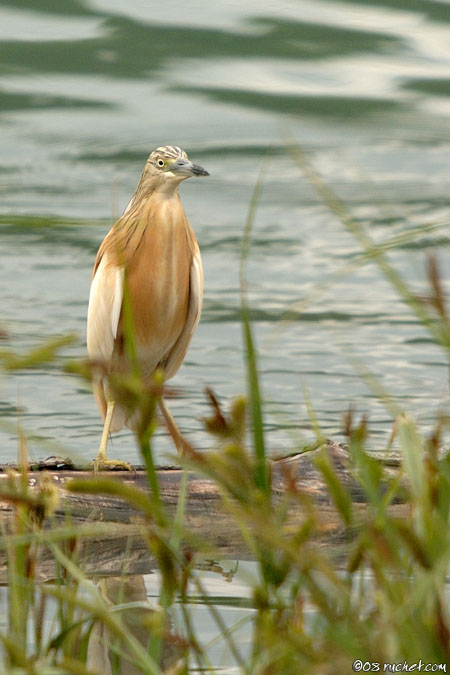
x,y
385,602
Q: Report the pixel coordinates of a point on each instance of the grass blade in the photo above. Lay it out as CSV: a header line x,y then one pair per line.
x,y
262,474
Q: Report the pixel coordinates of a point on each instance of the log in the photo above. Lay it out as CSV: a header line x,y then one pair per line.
x,y
204,514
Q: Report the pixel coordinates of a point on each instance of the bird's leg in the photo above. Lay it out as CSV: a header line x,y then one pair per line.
x,y
172,428
102,462
101,455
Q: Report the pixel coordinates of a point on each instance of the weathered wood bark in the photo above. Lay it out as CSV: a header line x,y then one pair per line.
x,y
204,514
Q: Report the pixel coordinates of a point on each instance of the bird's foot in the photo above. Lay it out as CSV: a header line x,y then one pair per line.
x,y
102,463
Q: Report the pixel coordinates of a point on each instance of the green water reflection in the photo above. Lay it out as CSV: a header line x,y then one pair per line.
x,y
87,89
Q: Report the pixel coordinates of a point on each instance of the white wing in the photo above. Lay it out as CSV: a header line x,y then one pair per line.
x,y
178,351
105,303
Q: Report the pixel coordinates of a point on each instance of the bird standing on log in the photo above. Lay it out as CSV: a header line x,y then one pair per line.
x,y
152,249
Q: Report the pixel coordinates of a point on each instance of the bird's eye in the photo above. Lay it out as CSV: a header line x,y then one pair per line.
x,y
160,162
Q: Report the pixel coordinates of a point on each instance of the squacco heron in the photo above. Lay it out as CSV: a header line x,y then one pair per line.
x,y
152,249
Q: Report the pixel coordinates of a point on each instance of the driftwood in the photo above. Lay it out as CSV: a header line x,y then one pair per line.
x,y
204,514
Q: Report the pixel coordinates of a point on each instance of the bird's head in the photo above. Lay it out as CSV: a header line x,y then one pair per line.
x,y
167,166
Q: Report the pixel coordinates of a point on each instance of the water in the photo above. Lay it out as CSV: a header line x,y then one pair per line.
x,y
232,596
87,93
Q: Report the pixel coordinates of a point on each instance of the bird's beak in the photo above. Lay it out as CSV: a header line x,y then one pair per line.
x,y
184,167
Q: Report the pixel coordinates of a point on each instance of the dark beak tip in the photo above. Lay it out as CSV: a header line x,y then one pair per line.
x,y
199,170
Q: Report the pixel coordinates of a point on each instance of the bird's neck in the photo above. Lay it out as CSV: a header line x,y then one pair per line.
x,y
155,210
151,199
153,216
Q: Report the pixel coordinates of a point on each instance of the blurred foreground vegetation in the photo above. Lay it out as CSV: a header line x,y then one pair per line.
x,y
387,603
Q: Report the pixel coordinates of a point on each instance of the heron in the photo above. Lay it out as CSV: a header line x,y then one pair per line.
x,y
153,250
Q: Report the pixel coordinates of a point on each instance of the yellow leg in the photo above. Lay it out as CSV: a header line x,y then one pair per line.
x,y
102,463
172,428
101,455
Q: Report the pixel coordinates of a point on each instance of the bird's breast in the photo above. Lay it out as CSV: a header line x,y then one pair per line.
x,y
158,281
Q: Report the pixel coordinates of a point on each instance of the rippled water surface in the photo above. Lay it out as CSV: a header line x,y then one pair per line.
x,y
87,90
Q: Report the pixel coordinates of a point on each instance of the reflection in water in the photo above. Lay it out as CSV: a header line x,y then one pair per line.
x,y
122,49
229,592
138,623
